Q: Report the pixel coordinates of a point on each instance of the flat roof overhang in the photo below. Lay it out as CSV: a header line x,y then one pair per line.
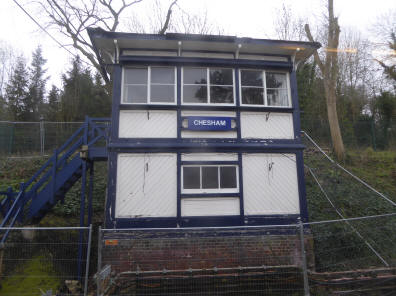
x,y
104,43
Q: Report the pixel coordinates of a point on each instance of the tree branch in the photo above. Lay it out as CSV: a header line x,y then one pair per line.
x,y
316,55
167,20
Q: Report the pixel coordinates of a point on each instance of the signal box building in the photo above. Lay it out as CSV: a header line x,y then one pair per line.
x,y
205,130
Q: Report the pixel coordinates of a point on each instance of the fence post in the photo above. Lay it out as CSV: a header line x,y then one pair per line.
x,y
87,261
304,258
42,134
98,287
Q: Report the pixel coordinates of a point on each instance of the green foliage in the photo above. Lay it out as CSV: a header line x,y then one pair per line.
x,y
83,95
37,273
16,91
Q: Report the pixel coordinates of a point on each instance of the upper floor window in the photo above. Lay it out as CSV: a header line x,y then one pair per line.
x,y
144,85
262,88
208,86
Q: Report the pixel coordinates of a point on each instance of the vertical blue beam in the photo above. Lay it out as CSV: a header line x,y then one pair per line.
x,y
111,191
237,98
178,188
299,154
90,192
240,179
115,112
301,186
178,88
82,201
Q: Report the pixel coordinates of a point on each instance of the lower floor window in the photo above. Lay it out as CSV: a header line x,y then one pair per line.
x,y
209,178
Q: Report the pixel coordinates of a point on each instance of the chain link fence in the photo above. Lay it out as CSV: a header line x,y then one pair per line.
x,y
44,261
34,138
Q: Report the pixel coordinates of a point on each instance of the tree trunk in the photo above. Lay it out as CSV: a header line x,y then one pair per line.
x,y
335,130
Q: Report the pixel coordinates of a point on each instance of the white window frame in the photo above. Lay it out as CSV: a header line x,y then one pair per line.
x,y
210,190
208,85
148,99
265,89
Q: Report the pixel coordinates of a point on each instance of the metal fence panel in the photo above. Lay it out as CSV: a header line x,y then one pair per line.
x,y
44,261
201,261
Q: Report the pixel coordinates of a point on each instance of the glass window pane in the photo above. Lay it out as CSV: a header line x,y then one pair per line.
x,y
210,177
221,76
222,94
162,93
162,75
275,80
135,94
195,94
191,178
194,76
277,97
228,177
135,76
252,78
254,96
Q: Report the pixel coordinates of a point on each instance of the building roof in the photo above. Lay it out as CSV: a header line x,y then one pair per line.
x,y
104,42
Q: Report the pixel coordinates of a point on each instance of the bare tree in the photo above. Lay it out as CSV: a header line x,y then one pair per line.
x,y
8,58
180,20
72,18
288,27
329,69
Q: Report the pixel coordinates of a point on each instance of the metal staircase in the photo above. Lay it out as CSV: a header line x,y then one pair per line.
x,y
52,181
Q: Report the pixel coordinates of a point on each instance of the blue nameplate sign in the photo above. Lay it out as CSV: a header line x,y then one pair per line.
x,y
206,123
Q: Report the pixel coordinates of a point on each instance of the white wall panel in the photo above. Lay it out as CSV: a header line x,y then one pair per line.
x,y
209,157
146,185
220,206
148,124
264,125
270,184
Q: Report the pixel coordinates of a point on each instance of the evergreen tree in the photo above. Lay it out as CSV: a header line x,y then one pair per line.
x,y
35,99
52,108
17,90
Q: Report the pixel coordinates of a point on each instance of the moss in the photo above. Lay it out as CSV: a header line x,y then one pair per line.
x,y
37,274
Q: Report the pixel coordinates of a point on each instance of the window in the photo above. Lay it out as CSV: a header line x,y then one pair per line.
x,y
263,88
210,179
208,86
155,85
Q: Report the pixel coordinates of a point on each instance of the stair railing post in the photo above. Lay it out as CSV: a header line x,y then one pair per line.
x,y
82,201
304,258
42,134
54,169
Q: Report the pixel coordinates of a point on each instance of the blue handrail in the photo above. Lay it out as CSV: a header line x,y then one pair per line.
x,y
48,172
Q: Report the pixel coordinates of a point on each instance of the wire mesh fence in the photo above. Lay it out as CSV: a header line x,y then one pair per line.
x,y
44,261
201,261
32,138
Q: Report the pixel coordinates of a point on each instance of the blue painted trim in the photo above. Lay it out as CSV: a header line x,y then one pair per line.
x,y
241,198
179,116
204,108
115,112
238,104
178,197
111,190
217,162
208,221
200,195
254,64
158,146
301,186
296,110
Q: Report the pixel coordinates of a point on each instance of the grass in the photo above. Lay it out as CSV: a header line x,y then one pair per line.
x,y
29,278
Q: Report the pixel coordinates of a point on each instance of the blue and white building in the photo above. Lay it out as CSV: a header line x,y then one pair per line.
x,y
205,130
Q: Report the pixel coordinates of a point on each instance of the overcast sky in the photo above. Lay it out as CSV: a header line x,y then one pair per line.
x,y
248,18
